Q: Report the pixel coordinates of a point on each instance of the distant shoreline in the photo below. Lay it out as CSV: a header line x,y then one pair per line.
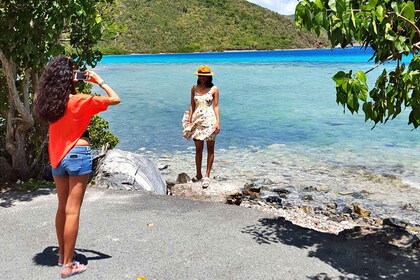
x,y
235,51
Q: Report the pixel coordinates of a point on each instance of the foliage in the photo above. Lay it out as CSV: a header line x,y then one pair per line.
x,y
392,29
174,26
33,184
32,32
99,133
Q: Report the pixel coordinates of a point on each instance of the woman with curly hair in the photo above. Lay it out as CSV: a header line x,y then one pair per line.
x,y
68,115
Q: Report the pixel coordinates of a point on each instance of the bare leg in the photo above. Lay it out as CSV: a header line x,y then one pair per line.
x,y
62,185
199,145
67,235
210,157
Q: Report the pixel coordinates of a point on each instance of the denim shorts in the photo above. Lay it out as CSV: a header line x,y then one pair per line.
x,y
78,161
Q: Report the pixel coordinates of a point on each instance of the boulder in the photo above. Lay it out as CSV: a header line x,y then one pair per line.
x,y
128,171
216,192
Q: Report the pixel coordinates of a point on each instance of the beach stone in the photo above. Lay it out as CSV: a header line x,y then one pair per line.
x,y
393,222
182,178
309,189
252,187
252,190
235,199
408,207
216,192
268,181
282,192
307,197
128,171
358,209
331,206
274,199
347,209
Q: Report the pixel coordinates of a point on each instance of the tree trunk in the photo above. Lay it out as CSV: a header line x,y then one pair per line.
x,y
19,120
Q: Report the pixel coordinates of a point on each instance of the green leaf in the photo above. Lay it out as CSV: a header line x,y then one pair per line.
x,y
395,7
319,18
408,10
361,76
380,13
319,4
332,5
340,78
353,19
375,29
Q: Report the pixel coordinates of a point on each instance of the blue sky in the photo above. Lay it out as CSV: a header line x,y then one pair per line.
x,y
283,7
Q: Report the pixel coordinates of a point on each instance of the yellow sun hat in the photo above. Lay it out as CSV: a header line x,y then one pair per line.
x,y
204,70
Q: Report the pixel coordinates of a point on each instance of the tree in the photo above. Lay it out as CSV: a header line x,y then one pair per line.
x,y
32,32
392,29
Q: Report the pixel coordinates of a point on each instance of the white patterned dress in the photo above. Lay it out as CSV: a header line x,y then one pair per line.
x,y
203,122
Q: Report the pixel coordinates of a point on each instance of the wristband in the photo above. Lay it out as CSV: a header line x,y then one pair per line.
x,y
102,83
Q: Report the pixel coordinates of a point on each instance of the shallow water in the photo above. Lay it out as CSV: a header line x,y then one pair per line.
x,y
279,120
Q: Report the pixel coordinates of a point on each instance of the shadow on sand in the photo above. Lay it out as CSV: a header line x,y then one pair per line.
x,y
9,199
49,256
360,253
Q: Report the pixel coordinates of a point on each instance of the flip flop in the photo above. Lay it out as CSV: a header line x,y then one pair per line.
x,y
206,182
72,269
195,179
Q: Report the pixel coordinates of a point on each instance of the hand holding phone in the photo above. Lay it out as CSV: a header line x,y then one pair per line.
x,y
80,76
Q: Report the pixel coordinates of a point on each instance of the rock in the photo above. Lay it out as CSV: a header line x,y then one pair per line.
x,y
282,192
273,199
267,181
235,199
347,209
307,197
331,206
129,171
252,190
182,178
338,219
252,187
358,209
393,222
216,192
163,167
309,189
408,207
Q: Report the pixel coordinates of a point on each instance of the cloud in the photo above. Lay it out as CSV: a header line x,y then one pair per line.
x,y
284,7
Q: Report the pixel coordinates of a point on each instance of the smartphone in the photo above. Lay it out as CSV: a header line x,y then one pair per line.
x,y
79,76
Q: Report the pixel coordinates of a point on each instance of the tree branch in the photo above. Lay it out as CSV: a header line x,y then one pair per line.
x,y
410,22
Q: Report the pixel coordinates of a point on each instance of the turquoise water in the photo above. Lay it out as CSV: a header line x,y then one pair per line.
x,y
266,98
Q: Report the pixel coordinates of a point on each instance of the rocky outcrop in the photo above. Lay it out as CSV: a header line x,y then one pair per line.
x,y
216,192
128,171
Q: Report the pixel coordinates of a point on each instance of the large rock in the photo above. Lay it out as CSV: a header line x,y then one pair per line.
x,y
216,192
128,171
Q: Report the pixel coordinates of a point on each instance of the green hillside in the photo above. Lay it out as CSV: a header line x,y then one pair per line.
x,y
166,26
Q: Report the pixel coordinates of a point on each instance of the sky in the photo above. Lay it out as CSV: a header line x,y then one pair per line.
x,y
283,7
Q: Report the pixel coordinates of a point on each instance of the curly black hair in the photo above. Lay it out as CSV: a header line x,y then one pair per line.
x,y
55,86
208,83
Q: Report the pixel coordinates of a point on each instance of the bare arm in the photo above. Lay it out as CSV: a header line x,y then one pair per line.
x,y
192,104
216,108
114,99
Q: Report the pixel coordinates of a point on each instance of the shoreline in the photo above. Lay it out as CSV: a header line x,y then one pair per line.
x,y
233,51
312,195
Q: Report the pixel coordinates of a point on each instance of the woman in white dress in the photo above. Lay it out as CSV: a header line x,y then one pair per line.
x,y
202,123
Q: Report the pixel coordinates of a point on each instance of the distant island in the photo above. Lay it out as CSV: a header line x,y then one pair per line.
x,y
185,26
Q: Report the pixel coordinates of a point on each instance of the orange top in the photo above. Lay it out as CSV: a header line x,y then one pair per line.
x,y
65,132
